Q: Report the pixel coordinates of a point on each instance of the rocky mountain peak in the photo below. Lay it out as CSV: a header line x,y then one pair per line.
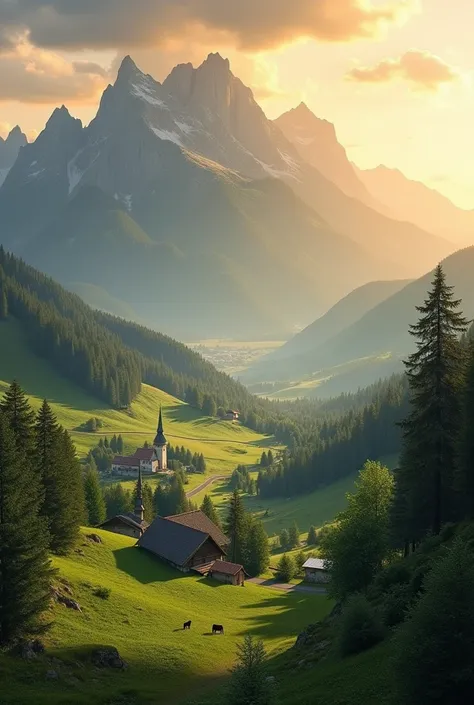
x,y
16,137
9,149
128,70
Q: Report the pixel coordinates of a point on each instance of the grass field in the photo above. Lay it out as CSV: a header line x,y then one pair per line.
x,y
224,445
143,619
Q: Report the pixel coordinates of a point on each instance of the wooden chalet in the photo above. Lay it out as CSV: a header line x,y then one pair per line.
x,y
126,524
226,572
180,545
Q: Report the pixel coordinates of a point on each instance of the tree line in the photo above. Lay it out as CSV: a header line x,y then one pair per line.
x,y
41,508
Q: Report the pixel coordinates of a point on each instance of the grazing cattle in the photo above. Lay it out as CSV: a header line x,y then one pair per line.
x,y
187,625
217,629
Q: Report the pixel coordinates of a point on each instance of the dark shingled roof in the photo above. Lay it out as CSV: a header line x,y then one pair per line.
x,y
129,519
200,521
126,460
173,541
225,567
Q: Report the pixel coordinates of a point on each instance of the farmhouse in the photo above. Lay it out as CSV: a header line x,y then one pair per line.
x,y
181,545
315,571
148,460
231,415
227,572
130,524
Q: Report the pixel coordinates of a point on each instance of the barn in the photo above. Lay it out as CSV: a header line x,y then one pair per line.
x,y
315,571
181,546
226,572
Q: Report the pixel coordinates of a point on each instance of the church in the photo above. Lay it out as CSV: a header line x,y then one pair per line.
x,y
147,460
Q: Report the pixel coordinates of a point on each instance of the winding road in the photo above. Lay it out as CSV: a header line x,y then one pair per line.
x,y
206,483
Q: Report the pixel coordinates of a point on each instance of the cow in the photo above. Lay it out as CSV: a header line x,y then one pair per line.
x,y
217,629
187,625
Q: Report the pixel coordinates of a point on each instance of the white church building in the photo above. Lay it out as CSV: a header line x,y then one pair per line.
x,y
148,460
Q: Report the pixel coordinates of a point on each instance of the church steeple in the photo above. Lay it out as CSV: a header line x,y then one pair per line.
x,y
160,439
139,510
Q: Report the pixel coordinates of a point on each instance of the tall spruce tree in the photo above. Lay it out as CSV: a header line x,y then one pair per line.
x,y
58,470
465,478
258,552
209,510
21,418
95,503
236,528
117,500
425,479
25,571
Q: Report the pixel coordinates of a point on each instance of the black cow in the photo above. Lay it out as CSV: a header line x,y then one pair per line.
x,y
217,629
187,625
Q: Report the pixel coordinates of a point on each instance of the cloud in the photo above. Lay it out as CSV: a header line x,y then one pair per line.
x,y
33,75
249,24
424,71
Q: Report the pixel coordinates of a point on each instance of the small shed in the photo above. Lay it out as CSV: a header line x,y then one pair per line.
x,y
226,572
126,524
315,571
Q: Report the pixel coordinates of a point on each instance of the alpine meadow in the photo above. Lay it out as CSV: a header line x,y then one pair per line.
x,y
236,353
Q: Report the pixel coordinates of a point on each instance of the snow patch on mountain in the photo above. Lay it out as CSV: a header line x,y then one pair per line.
x,y
167,135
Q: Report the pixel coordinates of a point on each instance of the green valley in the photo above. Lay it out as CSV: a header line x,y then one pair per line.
x,y
143,619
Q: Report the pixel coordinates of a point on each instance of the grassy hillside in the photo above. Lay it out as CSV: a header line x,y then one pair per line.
x,y
224,445
142,618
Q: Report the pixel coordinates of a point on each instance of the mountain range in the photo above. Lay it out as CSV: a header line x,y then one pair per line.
x,y
9,149
182,204
366,335
410,200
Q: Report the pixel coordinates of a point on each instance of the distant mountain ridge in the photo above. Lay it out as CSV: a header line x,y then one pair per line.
x,y
184,202
414,201
383,329
9,149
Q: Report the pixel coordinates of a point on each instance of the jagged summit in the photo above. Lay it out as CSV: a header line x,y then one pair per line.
x,y
215,60
127,70
9,149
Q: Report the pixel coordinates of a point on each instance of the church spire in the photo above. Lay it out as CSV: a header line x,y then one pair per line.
x,y
139,508
160,439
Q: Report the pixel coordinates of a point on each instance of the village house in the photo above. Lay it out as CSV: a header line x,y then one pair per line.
x,y
181,546
231,415
226,572
148,460
315,571
133,523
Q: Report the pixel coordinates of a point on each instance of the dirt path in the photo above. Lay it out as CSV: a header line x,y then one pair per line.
x,y
203,485
287,587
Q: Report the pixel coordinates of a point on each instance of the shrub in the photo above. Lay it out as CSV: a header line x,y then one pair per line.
x,y
286,569
102,592
360,626
395,604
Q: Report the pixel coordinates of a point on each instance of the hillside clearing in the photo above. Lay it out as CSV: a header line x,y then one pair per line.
x,y
143,619
224,445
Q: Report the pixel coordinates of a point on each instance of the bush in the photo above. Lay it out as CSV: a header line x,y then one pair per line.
x,y
286,569
395,604
360,626
102,592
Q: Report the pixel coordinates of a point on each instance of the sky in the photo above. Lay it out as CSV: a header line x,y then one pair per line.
x,y
396,77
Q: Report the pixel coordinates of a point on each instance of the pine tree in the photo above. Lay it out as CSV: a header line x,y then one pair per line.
x,y
120,445
258,549
465,477
425,479
286,569
312,536
117,500
160,501
209,510
21,418
25,572
52,462
264,460
72,472
236,528
95,504
284,538
293,536
249,684
3,303
270,458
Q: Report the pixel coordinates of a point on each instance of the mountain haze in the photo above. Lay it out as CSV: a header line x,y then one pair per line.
x,y
182,202
414,201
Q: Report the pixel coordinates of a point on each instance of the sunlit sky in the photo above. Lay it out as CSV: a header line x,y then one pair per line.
x,y
394,76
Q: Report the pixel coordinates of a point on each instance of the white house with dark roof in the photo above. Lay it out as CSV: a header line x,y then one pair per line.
x,y
315,571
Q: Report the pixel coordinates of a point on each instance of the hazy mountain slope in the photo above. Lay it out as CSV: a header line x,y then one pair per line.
x,y
190,245
416,202
346,312
9,149
317,144
385,328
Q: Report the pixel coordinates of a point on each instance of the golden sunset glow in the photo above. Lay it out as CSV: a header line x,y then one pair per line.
x,y
395,77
